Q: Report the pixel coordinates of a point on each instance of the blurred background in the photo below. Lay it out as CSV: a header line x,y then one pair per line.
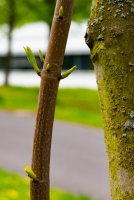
x,y
78,162
35,35
28,23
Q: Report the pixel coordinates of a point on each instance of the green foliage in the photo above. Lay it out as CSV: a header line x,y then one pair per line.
x,y
82,9
16,12
38,10
13,186
74,105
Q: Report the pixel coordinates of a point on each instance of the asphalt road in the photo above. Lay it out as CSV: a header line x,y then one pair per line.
x,y
78,159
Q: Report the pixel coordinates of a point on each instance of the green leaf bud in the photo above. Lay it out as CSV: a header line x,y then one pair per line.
x,y
30,172
41,56
65,74
31,59
61,12
48,67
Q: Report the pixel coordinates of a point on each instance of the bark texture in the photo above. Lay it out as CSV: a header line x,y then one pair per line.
x,y
47,99
110,36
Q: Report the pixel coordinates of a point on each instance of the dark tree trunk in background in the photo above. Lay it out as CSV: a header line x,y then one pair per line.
x,y
11,18
8,57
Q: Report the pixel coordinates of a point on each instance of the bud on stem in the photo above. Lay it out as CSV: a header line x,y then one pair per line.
x,y
61,12
41,56
30,172
65,74
31,59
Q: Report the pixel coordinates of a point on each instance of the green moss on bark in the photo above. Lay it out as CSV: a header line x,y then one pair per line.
x,y
110,35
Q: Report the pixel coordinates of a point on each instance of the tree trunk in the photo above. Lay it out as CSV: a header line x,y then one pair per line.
x,y
8,57
110,36
47,98
11,19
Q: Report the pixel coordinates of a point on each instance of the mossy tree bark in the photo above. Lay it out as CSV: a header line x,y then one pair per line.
x,y
110,36
39,190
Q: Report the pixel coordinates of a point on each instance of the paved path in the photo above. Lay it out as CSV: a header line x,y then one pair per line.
x,y
78,161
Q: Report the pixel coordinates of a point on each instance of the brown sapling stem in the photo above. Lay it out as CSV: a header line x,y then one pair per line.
x,y
50,77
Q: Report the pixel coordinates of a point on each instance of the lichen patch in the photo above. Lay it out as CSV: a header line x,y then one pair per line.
x,y
128,125
125,180
132,114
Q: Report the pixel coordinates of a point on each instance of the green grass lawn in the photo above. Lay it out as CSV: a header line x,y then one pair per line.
x,y
73,105
13,187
